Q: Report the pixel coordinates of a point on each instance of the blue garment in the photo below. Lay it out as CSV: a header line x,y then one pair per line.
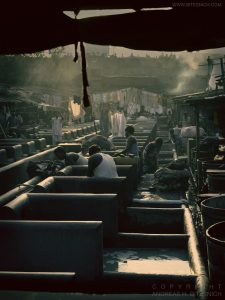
x,y
134,149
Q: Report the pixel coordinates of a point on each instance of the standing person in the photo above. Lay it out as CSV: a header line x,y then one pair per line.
x,y
122,124
104,120
56,130
114,123
150,156
178,139
12,120
12,124
70,158
101,164
19,120
131,146
2,123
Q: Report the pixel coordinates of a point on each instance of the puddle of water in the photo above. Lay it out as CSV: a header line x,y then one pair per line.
x,y
157,195
147,261
144,193
147,196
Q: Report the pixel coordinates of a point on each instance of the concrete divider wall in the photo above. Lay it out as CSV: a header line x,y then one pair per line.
x,y
129,171
18,190
3,157
82,184
14,152
66,207
195,258
16,172
47,246
71,147
152,220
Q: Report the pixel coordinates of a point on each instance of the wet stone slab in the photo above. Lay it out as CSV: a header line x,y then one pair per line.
x,y
147,261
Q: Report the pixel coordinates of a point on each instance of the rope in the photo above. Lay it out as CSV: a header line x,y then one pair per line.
x,y
76,56
86,100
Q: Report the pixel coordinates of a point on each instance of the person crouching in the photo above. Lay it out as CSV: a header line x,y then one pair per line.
x,y
70,158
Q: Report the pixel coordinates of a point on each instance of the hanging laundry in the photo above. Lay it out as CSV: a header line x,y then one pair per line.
x,y
114,124
122,124
56,130
104,120
131,100
118,123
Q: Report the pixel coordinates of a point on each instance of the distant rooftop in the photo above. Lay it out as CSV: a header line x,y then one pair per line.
x,y
215,97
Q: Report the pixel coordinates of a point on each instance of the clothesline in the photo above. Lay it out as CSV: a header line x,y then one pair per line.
x,y
130,100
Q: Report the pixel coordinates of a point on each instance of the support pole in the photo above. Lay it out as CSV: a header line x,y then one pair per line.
x,y
222,72
3,131
197,142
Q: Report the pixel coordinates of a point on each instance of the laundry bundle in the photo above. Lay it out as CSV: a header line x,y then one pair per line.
x,y
167,179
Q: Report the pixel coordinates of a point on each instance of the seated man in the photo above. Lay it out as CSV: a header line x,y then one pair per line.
x,y
100,164
70,158
131,146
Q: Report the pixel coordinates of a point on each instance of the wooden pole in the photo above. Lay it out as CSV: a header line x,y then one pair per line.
x,y
197,141
222,72
3,131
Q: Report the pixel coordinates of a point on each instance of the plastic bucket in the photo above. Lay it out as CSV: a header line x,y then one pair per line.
x,y
216,182
215,235
213,211
211,164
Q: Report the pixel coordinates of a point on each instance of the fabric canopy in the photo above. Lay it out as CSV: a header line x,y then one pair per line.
x,y
71,5
35,26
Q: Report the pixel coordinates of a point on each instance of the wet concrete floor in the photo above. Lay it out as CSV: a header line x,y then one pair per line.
x,y
147,261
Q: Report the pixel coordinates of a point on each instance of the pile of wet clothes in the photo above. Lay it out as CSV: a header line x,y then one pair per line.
x,y
99,140
174,176
44,168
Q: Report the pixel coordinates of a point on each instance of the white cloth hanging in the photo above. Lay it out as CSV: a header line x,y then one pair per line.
x,y
56,130
114,124
122,124
118,123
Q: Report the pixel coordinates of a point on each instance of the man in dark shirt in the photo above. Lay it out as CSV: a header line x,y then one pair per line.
x,y
70,158
150,156
131,146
